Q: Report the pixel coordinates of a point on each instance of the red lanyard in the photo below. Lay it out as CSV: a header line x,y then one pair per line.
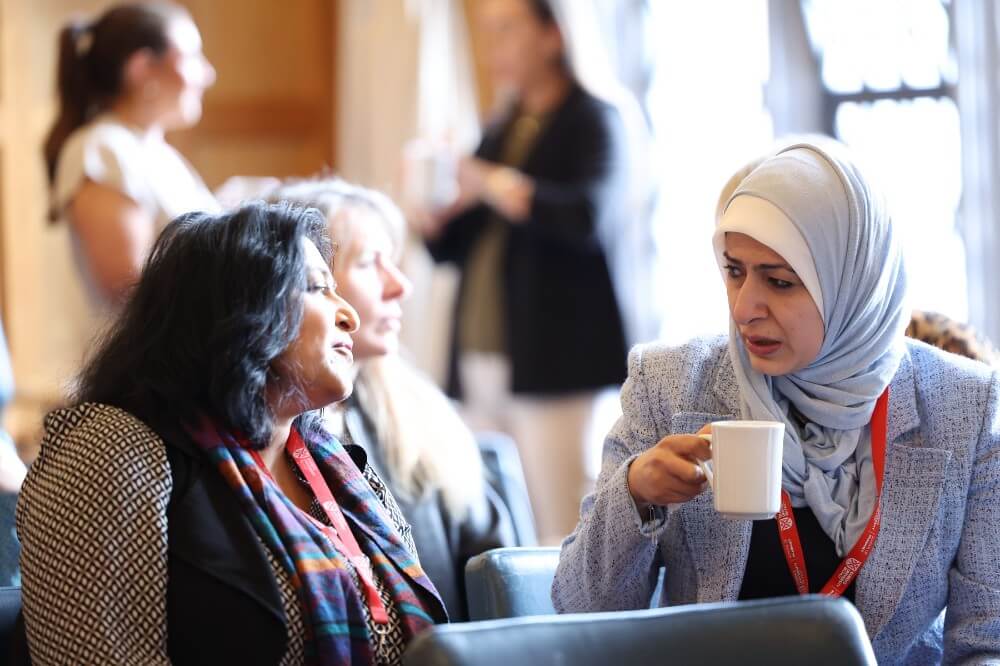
x,y
849,567
340,534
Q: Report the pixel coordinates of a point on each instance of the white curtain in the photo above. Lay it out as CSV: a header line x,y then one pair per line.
x,y
404,71
706,103
603,63
376,89
446,91
976,29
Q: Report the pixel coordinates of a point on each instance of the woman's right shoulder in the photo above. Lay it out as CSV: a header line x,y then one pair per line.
x,y
99,136
681,374
98,465
101,441
658,358
84,418
102,151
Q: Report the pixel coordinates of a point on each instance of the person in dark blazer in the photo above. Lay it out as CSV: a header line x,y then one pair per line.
x,y
538,330
188,507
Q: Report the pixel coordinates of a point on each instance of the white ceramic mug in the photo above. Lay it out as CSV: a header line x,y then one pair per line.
x,y
745,470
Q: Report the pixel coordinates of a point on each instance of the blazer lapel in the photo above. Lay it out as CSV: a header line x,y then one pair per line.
x,y
208,529
718,547
209,532
549,140
914,480
358,433
724,387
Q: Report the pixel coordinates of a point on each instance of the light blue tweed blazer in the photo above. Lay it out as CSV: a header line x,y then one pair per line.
x,y
939,544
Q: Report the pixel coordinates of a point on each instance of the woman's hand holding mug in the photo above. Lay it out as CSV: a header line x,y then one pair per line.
x,y
668,473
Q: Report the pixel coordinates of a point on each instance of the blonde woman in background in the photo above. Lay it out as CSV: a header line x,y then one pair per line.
x,y
413,436
540,336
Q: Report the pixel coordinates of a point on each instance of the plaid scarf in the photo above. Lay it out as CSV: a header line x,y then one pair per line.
x,y
336,630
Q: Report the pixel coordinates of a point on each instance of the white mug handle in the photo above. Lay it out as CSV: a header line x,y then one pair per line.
x,y
706,469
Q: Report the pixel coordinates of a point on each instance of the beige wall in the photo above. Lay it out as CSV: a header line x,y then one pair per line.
x,y
271,113
35,259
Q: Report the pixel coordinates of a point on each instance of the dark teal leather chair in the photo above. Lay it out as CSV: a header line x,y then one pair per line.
x,y
10,607
510,582
506,476
812,630
10,547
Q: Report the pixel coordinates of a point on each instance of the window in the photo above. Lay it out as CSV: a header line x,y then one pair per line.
x,y
889,75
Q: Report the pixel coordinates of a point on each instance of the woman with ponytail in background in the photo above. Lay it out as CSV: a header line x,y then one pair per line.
x,y
124,79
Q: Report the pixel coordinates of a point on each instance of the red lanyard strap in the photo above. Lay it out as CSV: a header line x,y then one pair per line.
x,y
340,533
847,571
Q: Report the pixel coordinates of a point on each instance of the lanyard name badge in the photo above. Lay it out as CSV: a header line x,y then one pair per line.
x,y
340,533
849,567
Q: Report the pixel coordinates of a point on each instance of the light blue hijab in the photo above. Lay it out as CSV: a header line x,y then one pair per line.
x,y
827,405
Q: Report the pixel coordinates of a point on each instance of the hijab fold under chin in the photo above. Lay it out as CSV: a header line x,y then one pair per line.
x,y
827,405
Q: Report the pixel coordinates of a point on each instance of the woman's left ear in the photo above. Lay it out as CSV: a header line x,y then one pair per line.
x,y
138,69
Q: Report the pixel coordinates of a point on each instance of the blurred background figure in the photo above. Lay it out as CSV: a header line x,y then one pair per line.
x,y
414,438
124,78
538,331
952,336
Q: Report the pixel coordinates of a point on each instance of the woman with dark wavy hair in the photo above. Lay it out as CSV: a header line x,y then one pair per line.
x,y
186,509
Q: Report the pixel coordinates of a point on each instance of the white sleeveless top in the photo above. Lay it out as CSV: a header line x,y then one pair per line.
x,y
144,168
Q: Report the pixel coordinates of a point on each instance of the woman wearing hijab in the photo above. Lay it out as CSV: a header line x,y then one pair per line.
x,y
816,289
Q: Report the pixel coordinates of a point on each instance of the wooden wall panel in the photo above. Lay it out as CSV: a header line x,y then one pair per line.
x,y
483,87
271,112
